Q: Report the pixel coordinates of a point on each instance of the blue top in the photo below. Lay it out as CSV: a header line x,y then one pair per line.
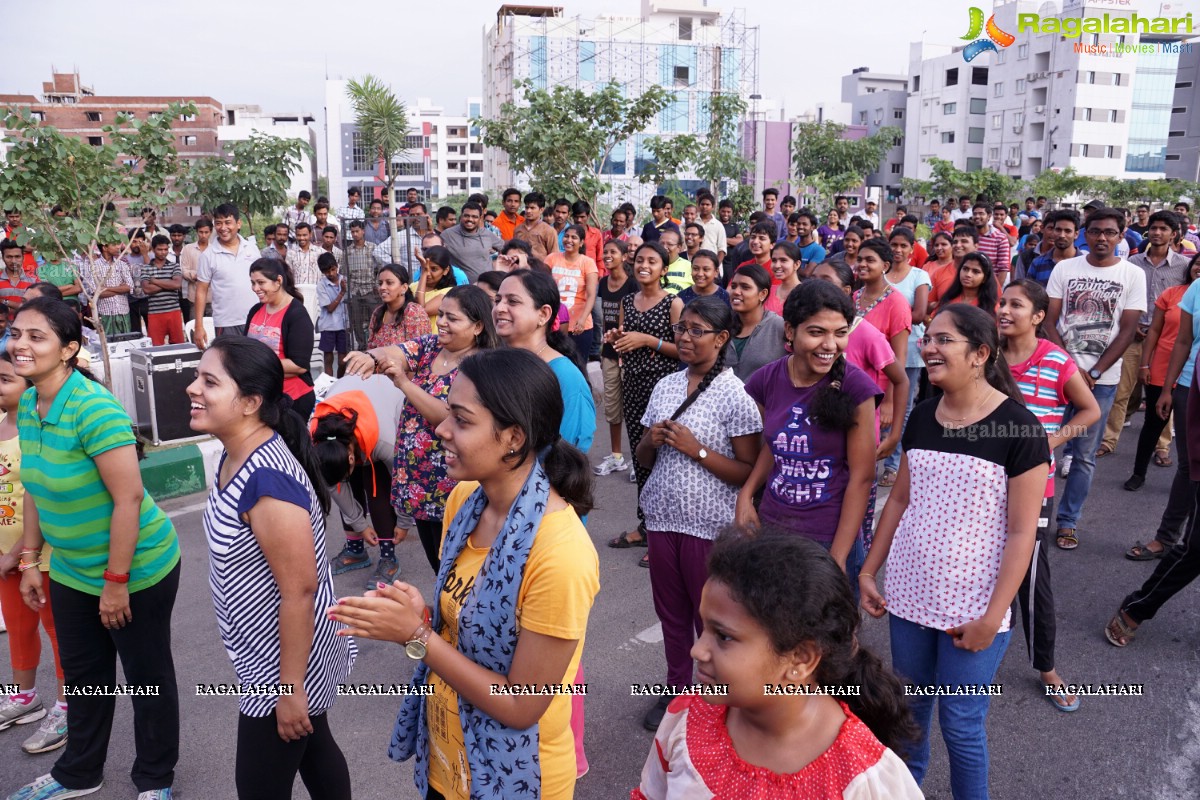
x,y
1191,304
327,292
811,254
579,409
460,277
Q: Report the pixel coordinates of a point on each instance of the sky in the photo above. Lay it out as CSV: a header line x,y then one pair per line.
x,y
277,55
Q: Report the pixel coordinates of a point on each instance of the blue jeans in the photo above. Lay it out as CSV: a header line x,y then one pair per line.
x,y
892,462
1083,450
928,657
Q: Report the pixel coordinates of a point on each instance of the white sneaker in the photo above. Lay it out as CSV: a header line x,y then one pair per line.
x,y
1064,466
614,462
51,734
633,476
15,713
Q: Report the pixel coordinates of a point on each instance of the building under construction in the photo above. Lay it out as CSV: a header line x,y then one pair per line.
x,y
686,46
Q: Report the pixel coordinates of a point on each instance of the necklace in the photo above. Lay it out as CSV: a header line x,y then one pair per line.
x,y
960,420
446,361
540,349
862,312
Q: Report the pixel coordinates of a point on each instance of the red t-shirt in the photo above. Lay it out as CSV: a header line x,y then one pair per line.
x,y
1168,301
268,329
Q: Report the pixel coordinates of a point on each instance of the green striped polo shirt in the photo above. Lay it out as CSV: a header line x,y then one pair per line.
x,y
74,507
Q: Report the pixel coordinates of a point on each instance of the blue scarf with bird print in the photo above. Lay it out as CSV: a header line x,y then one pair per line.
x,y
503,761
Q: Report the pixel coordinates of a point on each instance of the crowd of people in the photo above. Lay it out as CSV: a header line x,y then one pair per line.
x,y
760,384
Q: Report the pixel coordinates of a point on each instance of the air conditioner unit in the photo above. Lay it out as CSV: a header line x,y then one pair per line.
x,y
1035,76
1018,128
1039,109
1012,162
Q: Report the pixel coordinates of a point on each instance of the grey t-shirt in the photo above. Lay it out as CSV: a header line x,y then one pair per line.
x,y
228,276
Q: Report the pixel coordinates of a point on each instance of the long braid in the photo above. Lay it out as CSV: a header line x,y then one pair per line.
x,y
705,382
832,408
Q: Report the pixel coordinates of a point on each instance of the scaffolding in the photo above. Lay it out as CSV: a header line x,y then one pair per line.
x,y
690,49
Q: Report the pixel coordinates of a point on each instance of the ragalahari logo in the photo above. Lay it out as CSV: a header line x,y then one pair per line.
x,y
996,36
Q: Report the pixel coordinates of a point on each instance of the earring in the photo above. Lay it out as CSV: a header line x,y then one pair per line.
x,y
512,452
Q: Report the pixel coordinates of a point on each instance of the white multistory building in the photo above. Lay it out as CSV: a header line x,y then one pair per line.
x,y
877,101
687,46
242,120
444,155
1100,102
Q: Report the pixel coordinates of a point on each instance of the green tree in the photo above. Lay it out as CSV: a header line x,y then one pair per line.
x,y
1055,186
562,137
831,165
382,122
45,167
254,175
947,180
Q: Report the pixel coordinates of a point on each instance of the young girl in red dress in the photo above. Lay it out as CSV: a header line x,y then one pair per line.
x,y
808,712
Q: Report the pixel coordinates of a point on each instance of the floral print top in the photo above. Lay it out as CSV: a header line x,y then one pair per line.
x,y
420,485
413,325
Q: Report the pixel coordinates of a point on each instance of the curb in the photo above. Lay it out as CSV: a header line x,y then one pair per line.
x,y
175,471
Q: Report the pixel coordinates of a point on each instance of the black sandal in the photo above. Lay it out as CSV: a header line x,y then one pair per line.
x,y
623,542
1141,552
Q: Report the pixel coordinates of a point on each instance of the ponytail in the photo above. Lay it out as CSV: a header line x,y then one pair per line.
x,y
720,316
520,391
333,441
64,322
797,593
832,408
257,372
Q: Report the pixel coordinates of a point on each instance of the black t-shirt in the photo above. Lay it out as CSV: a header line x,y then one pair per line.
x,y
1011,437
610,309
1140,230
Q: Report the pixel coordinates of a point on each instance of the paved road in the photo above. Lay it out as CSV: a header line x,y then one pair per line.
x,y
1130,747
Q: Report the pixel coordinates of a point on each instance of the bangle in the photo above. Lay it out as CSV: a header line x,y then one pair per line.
x,y
115,578
659,346
38,551
866,575
1144,366
24,565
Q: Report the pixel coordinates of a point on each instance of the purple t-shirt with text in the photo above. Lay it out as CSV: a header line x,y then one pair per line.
x,y
805,488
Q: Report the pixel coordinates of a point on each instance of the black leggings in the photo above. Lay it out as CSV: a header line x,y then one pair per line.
x,y
267,765
430,531
1036,598
377,499
1152,428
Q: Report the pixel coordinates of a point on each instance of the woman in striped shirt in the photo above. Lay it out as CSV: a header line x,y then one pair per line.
x,y
1049,381
265,525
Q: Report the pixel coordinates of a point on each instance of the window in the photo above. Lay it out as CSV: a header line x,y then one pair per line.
x,y
1087,115
410,169
997,120
1018,118
1083,149
1176,133
587,64
1120,40
1014,153
1116,79
1112,115
993,154
916,83
477,148
1089,77
947,137
129,162
978,105
975,135
870,90
1179,110
93,116
361,158
862,118
40,116
998,90
685,29
952,77
1172,157
979,76
896,169
949,108
414,142
190,140
1183,85
1020,86
682,77
1001,56
1094,39
1022,52
898,141
95,141
974,164
476,166
476,183
183,117
1109,151
897,113
191,211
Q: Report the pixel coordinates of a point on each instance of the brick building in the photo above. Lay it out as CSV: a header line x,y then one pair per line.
x,y
77,110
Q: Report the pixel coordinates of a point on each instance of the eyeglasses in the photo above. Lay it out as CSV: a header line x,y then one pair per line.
x,y
940,341
695,333
1108,233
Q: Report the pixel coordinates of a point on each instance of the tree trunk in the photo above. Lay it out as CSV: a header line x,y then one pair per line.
x,y
395,240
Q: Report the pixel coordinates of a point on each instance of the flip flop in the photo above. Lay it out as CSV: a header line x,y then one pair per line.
x,y
1162,458
645,561
1104,450
1054,698
1141,552
1066,539
1118,632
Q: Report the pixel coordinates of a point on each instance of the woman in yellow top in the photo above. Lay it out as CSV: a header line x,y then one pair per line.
x,y
24,643
517,581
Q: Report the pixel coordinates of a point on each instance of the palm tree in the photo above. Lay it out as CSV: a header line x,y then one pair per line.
x,y
382,122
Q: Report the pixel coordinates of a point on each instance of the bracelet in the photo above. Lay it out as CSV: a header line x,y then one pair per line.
x,y
24,565
1144,366
115,578
866,575
38,551
659,346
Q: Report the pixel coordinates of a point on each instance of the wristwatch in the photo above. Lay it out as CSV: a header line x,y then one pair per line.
x,y
703,454
416,646
1095,374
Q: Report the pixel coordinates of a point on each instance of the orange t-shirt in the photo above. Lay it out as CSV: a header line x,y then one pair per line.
x,y
506,226
572,283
